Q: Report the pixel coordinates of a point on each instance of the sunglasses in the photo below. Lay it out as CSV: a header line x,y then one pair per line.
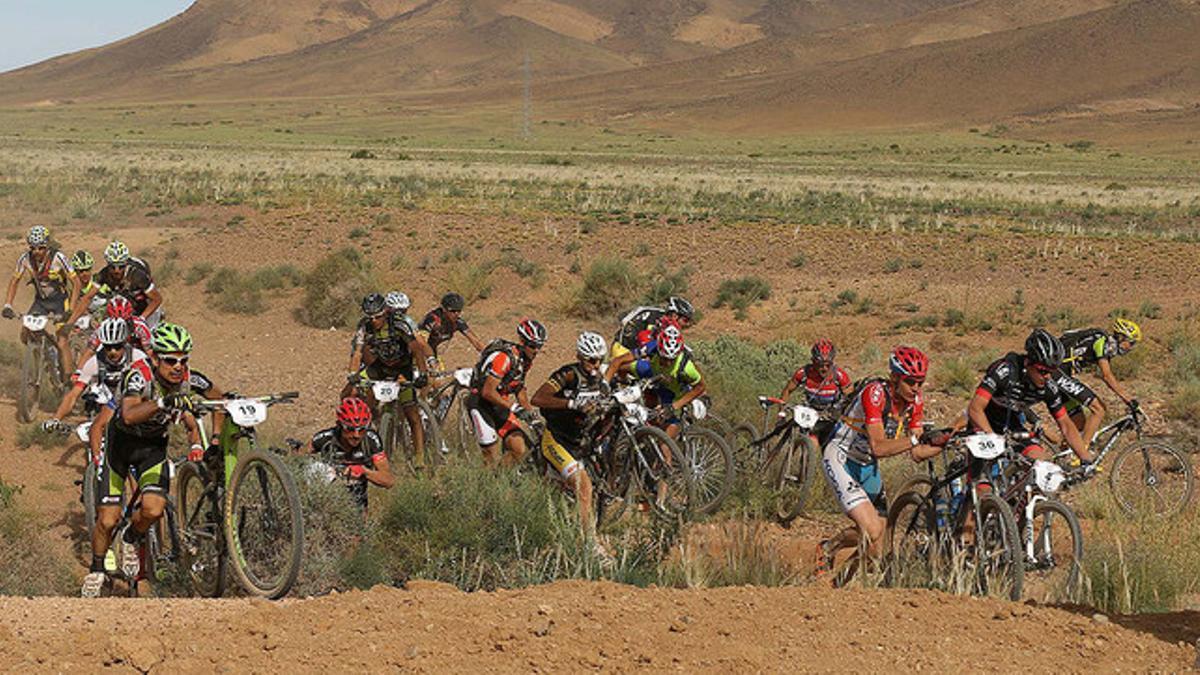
x,y
39,248
1041,370
356,430
913,381
114,348
175,360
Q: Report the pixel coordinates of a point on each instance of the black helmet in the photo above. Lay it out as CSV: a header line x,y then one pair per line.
x,y
373,304
453,302
1043,348
680,306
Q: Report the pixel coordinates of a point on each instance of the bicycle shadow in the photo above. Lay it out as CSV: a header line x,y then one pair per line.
x,y
1173,627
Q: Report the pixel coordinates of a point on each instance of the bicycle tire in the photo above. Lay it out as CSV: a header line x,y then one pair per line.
x,y
27,396
1048,556
465,429
266,544
431,452
1010,562
1173,464
387,432
88,496
795,470
746,455
717,424
202,549
675,475
710,470
912,541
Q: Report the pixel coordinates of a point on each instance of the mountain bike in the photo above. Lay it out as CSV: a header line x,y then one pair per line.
x,y
785,458
957,533
393,425
448,400
709,458
1147,476
240,508
41,370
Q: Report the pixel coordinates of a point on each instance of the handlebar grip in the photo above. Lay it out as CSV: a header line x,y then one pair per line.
x,y
288,395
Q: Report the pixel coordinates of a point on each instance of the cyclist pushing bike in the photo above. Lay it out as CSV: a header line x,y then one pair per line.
x,y
825,385
499,401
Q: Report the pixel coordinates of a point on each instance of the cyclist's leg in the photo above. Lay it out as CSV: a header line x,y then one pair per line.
x,y
514,443
856,501
109,497
572,473
485,429
154,482
408,403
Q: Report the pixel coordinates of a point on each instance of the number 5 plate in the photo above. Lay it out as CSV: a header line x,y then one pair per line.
x,y
386,392
247,412
985,446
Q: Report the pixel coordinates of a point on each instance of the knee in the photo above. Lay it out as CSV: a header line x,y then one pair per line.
x,y
106,519
152,510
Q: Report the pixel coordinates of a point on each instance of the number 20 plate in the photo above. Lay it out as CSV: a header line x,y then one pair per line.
x,y
247,413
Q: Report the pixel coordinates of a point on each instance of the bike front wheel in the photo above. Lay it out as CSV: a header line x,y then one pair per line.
x,y
202,550
790,474
1054,552
264,527
709,465
999,563
27,395
1151,478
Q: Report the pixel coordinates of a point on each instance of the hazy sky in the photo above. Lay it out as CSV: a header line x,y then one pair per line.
x,y
34,30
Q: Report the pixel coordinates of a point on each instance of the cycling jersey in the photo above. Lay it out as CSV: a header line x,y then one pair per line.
x,y
571,382
875,404
678,375
50,278
327,444
109,373
388,343
140,381
821,392
135,285
504,361
1085,348
438,328
139,335
1009,392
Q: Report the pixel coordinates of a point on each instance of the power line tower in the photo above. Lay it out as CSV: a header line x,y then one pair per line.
x,y
527,101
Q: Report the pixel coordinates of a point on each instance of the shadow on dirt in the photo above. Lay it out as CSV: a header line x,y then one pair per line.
x,y
1172,627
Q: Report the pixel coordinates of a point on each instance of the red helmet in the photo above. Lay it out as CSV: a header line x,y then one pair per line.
x,y
909,362
353,413
532,333
823,351
119,307
670,341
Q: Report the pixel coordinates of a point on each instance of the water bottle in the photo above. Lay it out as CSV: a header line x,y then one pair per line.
x,y
942,510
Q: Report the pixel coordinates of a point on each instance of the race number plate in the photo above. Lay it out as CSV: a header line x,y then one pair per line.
x,y
699,410
463,377
246,412
631,394
386,392
985,446
1049,476
34,323
805,417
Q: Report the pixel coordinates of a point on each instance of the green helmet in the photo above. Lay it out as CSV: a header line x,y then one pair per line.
x,y
169,338
82,261
116,253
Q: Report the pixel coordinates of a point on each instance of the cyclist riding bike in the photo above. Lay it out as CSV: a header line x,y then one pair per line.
x,y
106,364
1092,347
54,285
119,307
641,324
679,383
82,263
154,393
565,400
440,325
498,401
882,419
825,384
1017,381
385,348
355,449
128,276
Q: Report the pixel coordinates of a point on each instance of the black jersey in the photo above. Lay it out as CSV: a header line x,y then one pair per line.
x,y
1085,347
1010,393
327,445
571,382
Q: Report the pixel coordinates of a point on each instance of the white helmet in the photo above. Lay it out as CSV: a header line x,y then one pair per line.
x,y
38,236
590,345
113,332
397,301
116,253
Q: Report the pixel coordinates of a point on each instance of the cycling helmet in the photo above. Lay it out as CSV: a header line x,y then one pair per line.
x,y
116,253
532,333
169,338
38,236
1127,329
681,307
373,304
82,261
1043,348
113,332
397,301
590,345
909,362
453,302
670,342
353,413
823,351
119,307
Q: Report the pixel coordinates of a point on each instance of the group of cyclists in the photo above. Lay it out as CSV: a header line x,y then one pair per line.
x,y
142,361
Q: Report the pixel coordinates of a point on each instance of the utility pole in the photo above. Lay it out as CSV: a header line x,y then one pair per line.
x,y
527,101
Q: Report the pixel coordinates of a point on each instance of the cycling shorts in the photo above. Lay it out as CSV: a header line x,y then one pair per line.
x,y
379,371
559,456
490,422
144,457
853,483
52,305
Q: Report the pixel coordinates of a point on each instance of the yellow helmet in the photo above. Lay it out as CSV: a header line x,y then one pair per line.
x,y
1126,328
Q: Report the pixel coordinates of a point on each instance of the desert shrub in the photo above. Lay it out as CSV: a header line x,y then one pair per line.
x,y
362,154
29,435
334,288
737,371
745,554
28,563
1150,310
197,273
525,268
1184,377
231,291
1141,565
665,283
798,261
894,265
844,298
473,282
608,286
742,292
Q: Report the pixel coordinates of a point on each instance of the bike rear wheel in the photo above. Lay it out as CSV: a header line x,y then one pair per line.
x,y
432,454
202,548
913,541
646,470
999,563
746,455
709,463
31,371
1053,574
1149,477
263,525
790,475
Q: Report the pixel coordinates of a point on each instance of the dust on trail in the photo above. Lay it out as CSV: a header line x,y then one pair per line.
x,y
572,626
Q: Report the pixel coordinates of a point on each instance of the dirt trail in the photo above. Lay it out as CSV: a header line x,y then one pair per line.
x,y
572,626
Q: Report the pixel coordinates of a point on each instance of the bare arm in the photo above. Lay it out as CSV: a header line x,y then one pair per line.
x,y
692,394
619,365
136,410
474,340
12,288
78,310
882,446
544,398
96,432
1110,379
976,415
381,474
68,400
787,390
490,394
155,301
